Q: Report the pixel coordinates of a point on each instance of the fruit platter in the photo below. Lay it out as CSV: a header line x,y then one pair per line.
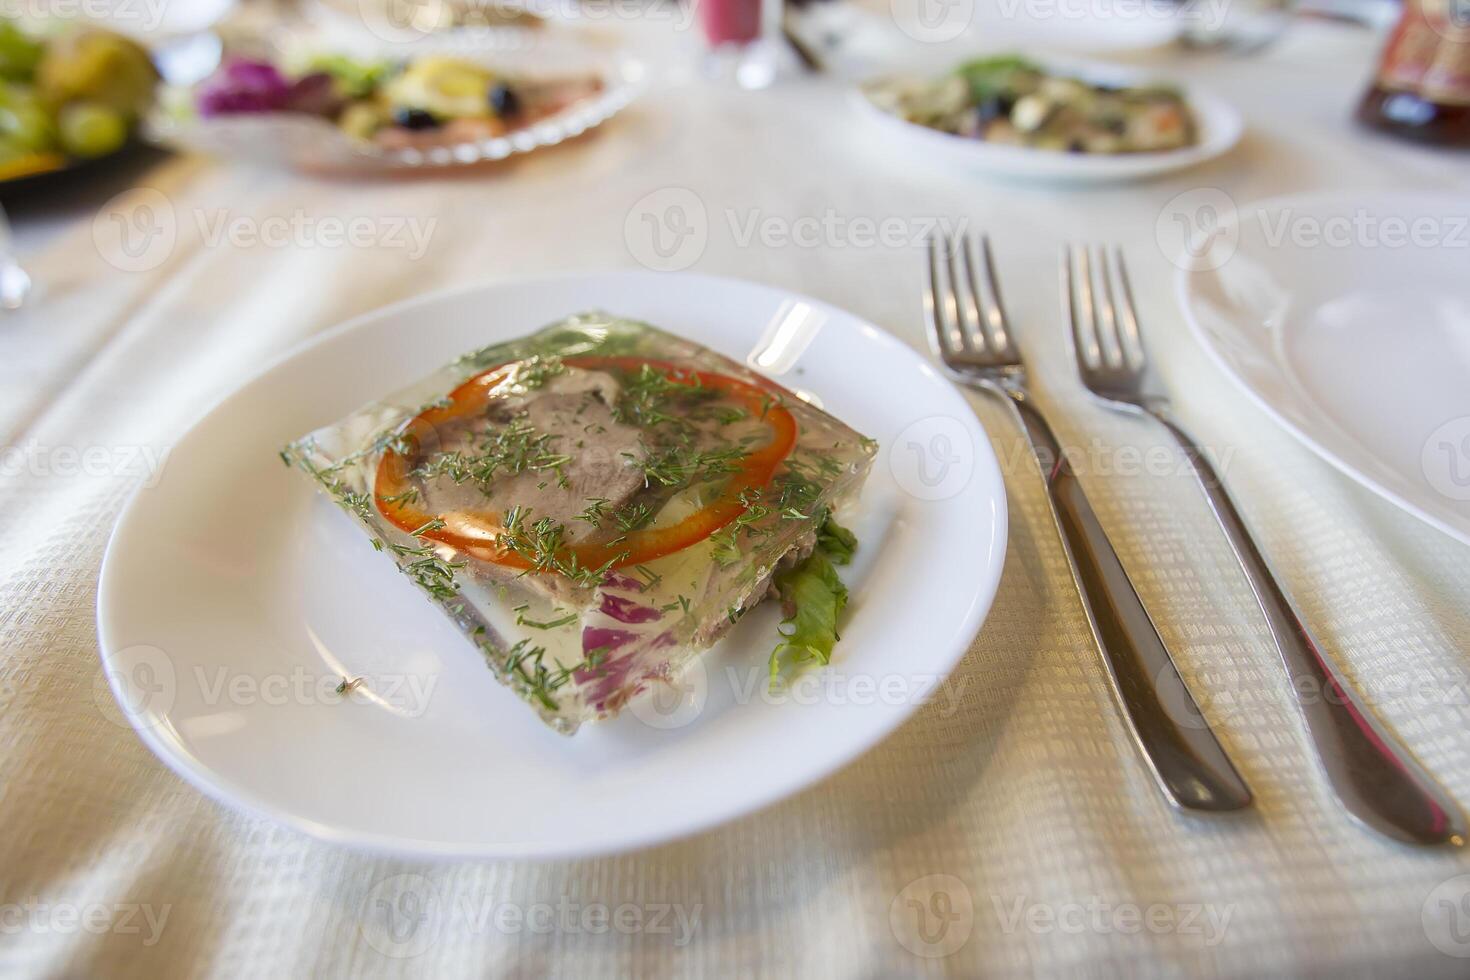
x,y
68,97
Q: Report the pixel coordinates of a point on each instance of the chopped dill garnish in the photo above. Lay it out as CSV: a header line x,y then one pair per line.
x,y
524,666
683,466
409,496
536,370
650,577
513,448
542,544
681,603
631,517
432,573
560,621
726,550
595,512
650,396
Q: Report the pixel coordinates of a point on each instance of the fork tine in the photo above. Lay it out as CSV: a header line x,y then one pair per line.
x,y
1107,317
1078,290
996,320
939,300
1132,337
970,301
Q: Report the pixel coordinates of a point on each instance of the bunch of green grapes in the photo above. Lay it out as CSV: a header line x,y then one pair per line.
x,y
77,95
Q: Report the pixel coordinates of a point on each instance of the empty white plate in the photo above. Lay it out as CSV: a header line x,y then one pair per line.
x,y
234,599
1347,318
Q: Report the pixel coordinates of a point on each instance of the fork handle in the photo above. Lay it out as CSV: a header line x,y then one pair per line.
x,y
1187,761
1375,777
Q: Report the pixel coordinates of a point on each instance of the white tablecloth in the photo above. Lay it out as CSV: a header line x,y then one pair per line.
x,y
1055,853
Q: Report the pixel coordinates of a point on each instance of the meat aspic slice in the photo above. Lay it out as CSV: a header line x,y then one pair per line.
x,y
592,504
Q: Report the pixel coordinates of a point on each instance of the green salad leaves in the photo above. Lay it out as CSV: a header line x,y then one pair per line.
x,y
813,597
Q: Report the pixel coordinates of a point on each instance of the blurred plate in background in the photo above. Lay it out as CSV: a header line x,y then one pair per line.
x,y
1347,319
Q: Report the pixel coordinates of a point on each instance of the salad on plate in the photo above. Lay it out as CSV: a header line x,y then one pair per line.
x,y
596,503
418,103
1011,101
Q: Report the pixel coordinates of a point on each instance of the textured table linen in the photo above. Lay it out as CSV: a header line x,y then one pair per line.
x,y
1059,856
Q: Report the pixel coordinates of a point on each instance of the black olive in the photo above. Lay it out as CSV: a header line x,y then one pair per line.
x,y
503,100
994,106
415,119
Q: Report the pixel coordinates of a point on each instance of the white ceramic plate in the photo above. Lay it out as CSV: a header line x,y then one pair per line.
x,y
1328,314
233,598
1220,126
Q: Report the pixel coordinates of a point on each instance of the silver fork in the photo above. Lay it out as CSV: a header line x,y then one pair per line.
x,y
1377,780
972,337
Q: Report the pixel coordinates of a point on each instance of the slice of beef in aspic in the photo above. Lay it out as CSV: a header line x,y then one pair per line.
x,y
569,417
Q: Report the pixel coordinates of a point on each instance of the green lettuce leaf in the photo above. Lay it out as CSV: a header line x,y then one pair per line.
x,y
814,597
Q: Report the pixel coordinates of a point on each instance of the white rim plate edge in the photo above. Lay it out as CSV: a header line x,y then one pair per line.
x,y
1183,289
1222,123
173,752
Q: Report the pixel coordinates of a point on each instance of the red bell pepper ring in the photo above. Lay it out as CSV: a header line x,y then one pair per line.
x,y
478,533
